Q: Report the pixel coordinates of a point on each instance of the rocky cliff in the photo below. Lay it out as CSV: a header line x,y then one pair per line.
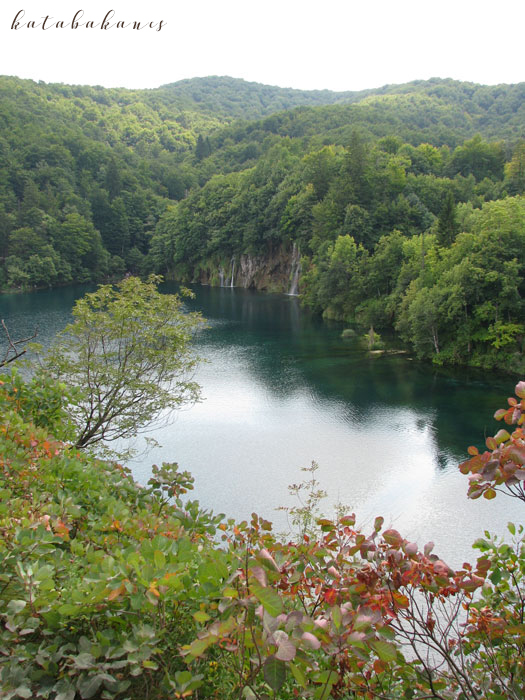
x,y
277,272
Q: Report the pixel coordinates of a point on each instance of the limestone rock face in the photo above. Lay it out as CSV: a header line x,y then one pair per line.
x,y
277,272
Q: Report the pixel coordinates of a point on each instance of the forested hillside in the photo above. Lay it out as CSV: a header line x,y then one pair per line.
x,y
232,97
400,207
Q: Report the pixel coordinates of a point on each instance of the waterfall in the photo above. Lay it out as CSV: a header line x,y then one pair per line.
x,y
233,270
221,276
295,271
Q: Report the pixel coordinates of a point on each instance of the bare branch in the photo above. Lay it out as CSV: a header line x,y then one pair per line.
x,y
13,352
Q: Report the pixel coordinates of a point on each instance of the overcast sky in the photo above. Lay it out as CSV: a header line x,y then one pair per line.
x,y
333,44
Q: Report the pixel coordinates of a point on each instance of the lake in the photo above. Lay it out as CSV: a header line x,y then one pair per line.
x,y
281,389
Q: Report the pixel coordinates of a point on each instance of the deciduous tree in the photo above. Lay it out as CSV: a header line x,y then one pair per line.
x,y
128,352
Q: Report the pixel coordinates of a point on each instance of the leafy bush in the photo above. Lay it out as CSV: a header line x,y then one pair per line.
x,y
96,577
110,590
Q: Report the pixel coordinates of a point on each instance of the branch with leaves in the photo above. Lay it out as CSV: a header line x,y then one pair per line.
x,y
502,466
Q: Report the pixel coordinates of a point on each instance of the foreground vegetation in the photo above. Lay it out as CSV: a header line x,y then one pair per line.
x,y
113,590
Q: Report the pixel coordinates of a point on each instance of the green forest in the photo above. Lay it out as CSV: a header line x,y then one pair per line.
x,y
399,210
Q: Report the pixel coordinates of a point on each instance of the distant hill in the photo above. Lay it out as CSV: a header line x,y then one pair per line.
x,y
234,97
487,109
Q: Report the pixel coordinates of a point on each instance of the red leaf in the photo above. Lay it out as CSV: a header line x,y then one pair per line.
x,y
442,569
330,596
379,666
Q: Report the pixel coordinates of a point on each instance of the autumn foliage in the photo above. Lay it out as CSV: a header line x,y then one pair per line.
x,y
502,466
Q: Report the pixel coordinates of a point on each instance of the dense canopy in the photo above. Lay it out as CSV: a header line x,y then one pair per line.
x,y
380,192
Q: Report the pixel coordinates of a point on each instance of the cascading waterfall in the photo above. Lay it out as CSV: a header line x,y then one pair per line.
x,y
233,271
221,276
295,271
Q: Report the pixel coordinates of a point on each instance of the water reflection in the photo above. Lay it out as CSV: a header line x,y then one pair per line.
x,y
290,351
282,389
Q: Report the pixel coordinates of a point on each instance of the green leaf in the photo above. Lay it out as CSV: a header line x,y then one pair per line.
x,y
67,694
385,651
323,692
67,610
212,570
269,599
183,677
88,686
337,617
392,537
501,436
387,632
15,606
274,672
299,675
160,559
495,577
84,660
201,616
328,680
199,646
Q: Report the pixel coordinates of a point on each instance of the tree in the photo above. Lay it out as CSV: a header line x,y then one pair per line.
x,y
515,170
80,244
128,354
202,148
447,221
421,318
480,158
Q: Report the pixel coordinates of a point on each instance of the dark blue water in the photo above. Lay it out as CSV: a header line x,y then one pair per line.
x,y
281,389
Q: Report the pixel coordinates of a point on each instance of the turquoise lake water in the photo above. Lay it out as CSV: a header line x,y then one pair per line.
x,y
281,389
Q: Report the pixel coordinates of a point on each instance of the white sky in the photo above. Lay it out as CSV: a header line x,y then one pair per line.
x,y
333,44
